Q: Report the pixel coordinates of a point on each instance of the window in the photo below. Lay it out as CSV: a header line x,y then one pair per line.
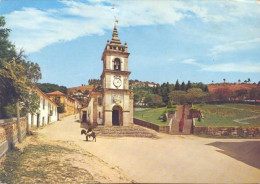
x,y
99,115
43,103
117,64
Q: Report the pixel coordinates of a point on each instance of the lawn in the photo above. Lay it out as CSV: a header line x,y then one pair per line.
x,y
152,116
230,115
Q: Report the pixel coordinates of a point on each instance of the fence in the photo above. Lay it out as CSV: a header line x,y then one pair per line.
x,y
8,133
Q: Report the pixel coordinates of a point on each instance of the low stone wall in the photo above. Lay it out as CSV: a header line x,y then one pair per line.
x,y
244,132
163,129
8,133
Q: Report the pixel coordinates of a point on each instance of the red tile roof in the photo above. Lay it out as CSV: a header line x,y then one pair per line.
x,y
58,93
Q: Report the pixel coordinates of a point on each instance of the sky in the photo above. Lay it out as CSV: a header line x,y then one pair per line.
x,y
200,41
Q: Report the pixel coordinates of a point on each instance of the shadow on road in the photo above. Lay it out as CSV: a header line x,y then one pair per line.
x,y
247,152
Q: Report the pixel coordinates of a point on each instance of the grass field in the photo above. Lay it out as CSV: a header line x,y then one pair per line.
x,y
152,115
230,115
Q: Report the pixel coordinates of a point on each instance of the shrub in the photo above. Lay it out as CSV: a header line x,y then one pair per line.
x,y
164,118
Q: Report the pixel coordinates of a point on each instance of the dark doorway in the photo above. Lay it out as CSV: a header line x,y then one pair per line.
x,y
38,120
84,117
117,116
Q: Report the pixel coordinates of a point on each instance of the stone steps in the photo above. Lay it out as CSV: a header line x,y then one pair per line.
x,y
124,131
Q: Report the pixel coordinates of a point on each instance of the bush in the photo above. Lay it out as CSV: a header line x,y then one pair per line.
x,y
164,118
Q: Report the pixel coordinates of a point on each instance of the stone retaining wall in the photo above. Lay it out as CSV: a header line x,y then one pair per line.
x,y
250,132
8,133
163,129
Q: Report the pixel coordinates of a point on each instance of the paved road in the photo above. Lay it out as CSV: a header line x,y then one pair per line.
x,y
170,158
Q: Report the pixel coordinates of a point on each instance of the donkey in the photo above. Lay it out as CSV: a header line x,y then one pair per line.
x,y
92,134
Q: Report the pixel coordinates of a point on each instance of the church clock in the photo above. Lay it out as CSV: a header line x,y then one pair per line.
x,y
117,82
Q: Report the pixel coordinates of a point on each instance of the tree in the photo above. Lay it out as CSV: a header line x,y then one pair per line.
x,y
16,74
177,85
86,92
224,80
212,82
249,80
241,93
7,49
254,93
188,85
179,97
196,95
156,100
222,94
239,81
183,86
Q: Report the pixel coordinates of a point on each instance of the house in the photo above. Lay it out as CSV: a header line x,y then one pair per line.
x,y
46,113
70,104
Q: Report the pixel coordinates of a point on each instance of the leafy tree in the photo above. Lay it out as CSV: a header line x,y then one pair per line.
x,y
17,75
196,95
179,97
248,80
164,119
86,92
241,93
254,93
222,94
156,100
61,106
224,80
48,87
7,49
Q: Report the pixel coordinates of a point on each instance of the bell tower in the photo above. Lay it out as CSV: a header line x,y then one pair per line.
x,y
117,97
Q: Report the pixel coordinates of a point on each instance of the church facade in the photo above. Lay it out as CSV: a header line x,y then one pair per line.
x,y
113,104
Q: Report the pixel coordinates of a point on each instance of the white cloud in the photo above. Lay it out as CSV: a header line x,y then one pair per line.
x,y
33,29
233,67
235,46
241,67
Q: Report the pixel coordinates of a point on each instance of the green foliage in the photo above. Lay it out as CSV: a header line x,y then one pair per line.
x,y
61,106
7,111
16,73
48,87
94,82
152,115
178,97
7,49
164,119
177,85
32,103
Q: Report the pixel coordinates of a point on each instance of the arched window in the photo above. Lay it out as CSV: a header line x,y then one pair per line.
x,y
117,64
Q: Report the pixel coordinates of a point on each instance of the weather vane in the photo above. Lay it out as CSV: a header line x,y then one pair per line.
x,y
116,20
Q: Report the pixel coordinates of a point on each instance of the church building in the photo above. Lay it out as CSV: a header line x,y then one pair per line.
x,y
112,105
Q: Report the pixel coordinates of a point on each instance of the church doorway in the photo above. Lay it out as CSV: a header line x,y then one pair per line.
x,y
117,116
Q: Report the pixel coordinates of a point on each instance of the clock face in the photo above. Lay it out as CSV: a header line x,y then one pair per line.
x,y
117,82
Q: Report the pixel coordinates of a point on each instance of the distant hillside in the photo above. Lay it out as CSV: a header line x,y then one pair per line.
x,y
231,87
80,88
48,87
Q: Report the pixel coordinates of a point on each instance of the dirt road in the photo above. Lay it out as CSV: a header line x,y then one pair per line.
x,y
169,158
59,154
